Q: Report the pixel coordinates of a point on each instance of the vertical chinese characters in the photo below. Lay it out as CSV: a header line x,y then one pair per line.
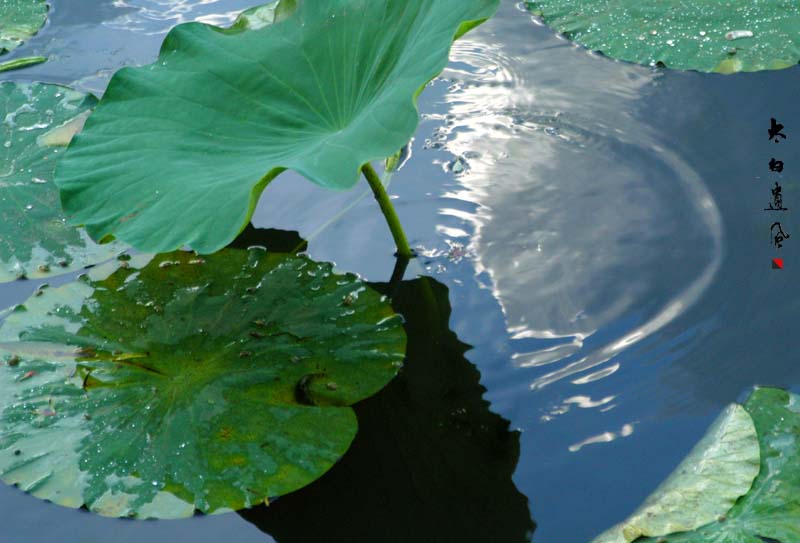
x,y
777,233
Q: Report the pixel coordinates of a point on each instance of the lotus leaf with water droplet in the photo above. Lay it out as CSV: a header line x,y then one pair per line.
x,y
704,35
767,509
188,383
36,123
19,20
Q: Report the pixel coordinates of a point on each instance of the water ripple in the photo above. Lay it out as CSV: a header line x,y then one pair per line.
x,y
578,206
153,17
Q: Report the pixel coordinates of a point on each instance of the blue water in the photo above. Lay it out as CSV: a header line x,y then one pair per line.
x,y
600,228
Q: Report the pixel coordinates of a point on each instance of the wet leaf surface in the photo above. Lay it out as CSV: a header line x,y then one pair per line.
x,y
178,152
184,383
35,241
708,35
771,510
19,20
705,485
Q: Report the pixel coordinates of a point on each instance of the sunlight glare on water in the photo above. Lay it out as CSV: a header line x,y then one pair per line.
x,y
86,42
570,224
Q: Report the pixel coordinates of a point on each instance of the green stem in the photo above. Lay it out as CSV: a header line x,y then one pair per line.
x,y
403,250
21,63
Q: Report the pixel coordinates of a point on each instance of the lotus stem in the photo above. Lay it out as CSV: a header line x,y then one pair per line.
x,y
403,250
18,63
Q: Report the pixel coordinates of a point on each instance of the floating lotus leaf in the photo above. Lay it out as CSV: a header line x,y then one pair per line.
x,y
178,152
706,35
705,485
770,511
19,20
35,240
190,384
430,463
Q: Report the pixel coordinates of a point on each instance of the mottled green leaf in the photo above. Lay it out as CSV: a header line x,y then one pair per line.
x,y
719,469
705,35
19,20
178,152
771,509
190,383
36,122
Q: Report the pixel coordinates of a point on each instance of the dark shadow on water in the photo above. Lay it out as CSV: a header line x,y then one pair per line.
x,y
280,241
430,463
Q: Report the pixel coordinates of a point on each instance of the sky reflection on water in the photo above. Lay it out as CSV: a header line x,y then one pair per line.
x,y
599,227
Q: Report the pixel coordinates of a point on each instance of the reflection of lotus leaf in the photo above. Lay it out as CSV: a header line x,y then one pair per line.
x,y
190,384
35,240
19,20
705,35
771,507
178,152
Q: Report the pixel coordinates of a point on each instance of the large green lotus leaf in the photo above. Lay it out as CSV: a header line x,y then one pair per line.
x,y
35,239
188,384
705,485
707,35
178,152
771,509
19,20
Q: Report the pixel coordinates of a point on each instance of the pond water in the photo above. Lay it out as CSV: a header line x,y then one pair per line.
x,y
592,229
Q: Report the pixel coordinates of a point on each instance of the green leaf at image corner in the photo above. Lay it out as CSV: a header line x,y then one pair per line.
x,y
37,122
178,152
703,35
771,509
19,20
180,384
718,470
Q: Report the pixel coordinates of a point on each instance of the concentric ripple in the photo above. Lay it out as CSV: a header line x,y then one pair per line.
x,y
575,220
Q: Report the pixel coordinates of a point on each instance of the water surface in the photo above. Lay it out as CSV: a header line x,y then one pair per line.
x,y
599,230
